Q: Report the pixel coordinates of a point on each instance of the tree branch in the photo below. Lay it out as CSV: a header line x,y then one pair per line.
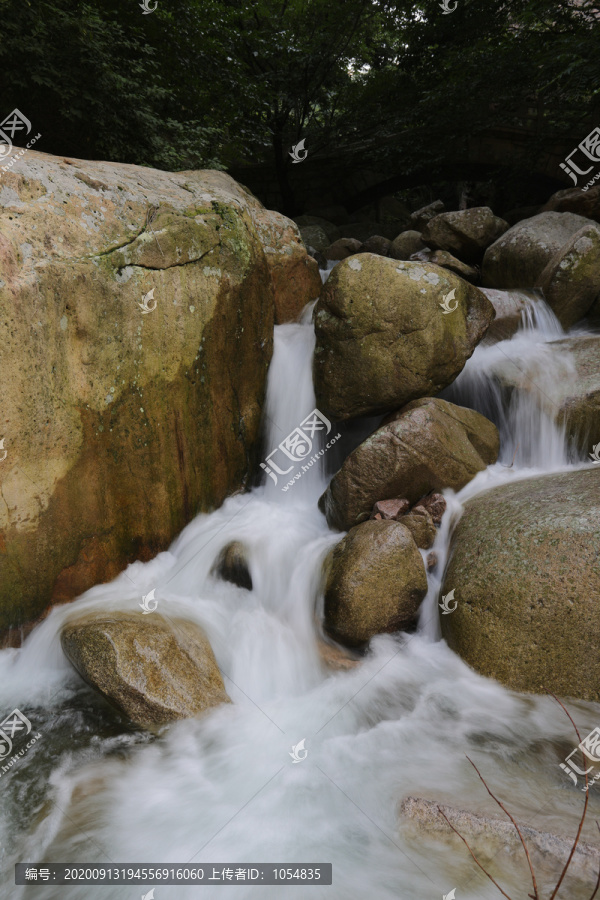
x,y
504,809
485,872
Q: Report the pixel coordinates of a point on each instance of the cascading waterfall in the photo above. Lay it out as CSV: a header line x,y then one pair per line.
x,y
222,788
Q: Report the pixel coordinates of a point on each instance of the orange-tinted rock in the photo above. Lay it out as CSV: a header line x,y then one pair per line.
x,y
123,424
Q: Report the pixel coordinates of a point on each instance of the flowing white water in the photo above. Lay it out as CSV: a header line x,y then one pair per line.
x,y
223,788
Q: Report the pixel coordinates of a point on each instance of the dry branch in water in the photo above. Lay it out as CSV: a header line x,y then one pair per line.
x,y
535,895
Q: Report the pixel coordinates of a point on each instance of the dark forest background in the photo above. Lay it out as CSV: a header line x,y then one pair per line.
x,y
391,96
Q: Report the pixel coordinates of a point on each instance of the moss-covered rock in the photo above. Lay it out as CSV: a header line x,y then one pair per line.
x,y
375,583
314,236
152,670
466,233
518,258
405,244
295,277
526,572
428,446
383,337
571,280
129,416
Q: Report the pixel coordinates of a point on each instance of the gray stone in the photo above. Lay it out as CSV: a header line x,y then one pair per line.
x,y
466,233
518,258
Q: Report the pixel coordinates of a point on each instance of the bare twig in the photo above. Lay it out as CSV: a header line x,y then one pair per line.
x,y
150,216
513,459
585,805
535,895
485,872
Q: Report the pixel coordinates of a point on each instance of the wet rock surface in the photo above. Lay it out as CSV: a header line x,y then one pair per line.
x,y
144,302
232,565
428,446
532,623
153,670
375,583
383,337
486,833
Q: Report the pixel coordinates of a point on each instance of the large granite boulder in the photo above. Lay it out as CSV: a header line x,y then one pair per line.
x,y
576,200
152,670
295,276
136,329
383,337
518,258
428,446
375,583
571,280
526,575
466,234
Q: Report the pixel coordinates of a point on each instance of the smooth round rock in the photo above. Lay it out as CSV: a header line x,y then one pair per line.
x,y
376,581
525,569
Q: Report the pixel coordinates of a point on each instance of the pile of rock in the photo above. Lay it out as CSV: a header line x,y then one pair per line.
x,y
421,520
554,253
452,240
385,548
554,250
391,333
384,346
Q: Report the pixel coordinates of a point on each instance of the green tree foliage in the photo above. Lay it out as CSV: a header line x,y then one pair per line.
x,y
213,82
93,78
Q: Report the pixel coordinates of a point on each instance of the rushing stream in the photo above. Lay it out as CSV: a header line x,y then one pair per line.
x,y
223,788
